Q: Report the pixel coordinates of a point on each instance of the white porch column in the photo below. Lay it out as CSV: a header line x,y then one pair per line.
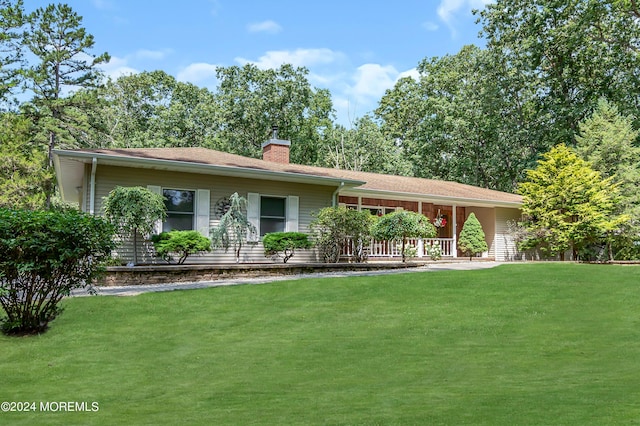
x,y
420,247
454,248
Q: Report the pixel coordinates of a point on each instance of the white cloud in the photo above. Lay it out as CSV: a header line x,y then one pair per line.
x,y
372,80
430,26
199,73
117,67
413,73
298,58
127,65
448,10
269,27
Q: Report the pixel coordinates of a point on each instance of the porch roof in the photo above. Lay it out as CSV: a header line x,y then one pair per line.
x,y
207,161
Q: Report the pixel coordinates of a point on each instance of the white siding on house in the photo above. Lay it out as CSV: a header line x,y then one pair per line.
x,y
310,198
505,245
487,218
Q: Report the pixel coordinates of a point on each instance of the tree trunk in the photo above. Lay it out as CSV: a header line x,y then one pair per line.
x,y
135,247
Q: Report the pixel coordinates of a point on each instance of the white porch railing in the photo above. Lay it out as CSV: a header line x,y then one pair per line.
x,y
378,249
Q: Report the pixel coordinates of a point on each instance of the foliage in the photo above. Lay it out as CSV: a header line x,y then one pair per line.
x,y
61,61
132,211
401,225
475,128
569,54
433,250
284,244
567,205
12,19
363,148
234,227
472,236
24,177
250,101
43,256
607,142
153,109
334,227
182,243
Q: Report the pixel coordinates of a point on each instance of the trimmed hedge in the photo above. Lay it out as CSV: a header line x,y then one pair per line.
x,y
284,244
182,243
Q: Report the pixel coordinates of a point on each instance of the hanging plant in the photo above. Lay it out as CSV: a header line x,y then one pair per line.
x,y
440,221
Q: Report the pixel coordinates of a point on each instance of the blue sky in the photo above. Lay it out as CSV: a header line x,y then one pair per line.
x,y
356,49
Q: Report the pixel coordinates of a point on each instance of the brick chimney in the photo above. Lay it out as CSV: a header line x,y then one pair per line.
x,y
276,150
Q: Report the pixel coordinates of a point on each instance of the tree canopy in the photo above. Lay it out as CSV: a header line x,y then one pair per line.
x,y
481,116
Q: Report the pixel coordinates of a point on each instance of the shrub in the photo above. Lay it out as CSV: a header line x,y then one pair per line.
x,y
334,226
134,210
234,227
433,250
182,243
43,256
471,239
401,225
284,244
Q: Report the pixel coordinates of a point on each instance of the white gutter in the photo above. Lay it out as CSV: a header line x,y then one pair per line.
x,y
92,185
334,197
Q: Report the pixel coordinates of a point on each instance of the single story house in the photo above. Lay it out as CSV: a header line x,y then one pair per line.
x,y
196,184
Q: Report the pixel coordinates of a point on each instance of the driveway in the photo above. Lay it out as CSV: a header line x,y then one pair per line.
x,y
134,290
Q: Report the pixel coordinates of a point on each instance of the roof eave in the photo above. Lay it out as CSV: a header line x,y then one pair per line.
x,y
460,201
190,167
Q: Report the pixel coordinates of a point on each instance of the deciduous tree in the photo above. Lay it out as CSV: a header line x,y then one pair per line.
x,y
132,211
43,256
234,227
335,227
24,176
401,225
251,100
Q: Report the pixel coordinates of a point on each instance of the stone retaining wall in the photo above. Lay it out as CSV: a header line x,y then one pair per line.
x,y
162,274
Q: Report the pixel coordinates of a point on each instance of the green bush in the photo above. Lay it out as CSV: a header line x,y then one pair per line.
x,y
401,225
334,227
284,244
433,250
182,243
43,256
471,239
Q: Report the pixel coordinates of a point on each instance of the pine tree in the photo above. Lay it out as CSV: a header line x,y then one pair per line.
x,y
607,141
568,205
472,236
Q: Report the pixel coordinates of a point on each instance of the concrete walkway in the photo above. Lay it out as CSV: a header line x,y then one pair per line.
x,y
134,290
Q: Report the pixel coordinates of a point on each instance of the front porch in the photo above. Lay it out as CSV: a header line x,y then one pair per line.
x,y
390,249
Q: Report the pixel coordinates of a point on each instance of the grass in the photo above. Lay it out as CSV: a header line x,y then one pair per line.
x,y
518,344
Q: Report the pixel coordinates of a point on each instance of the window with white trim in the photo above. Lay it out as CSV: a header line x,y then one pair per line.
x,y
181,211
271,213
190,210
273,217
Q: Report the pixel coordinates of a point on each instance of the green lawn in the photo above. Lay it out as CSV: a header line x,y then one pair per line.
x,y
518,344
